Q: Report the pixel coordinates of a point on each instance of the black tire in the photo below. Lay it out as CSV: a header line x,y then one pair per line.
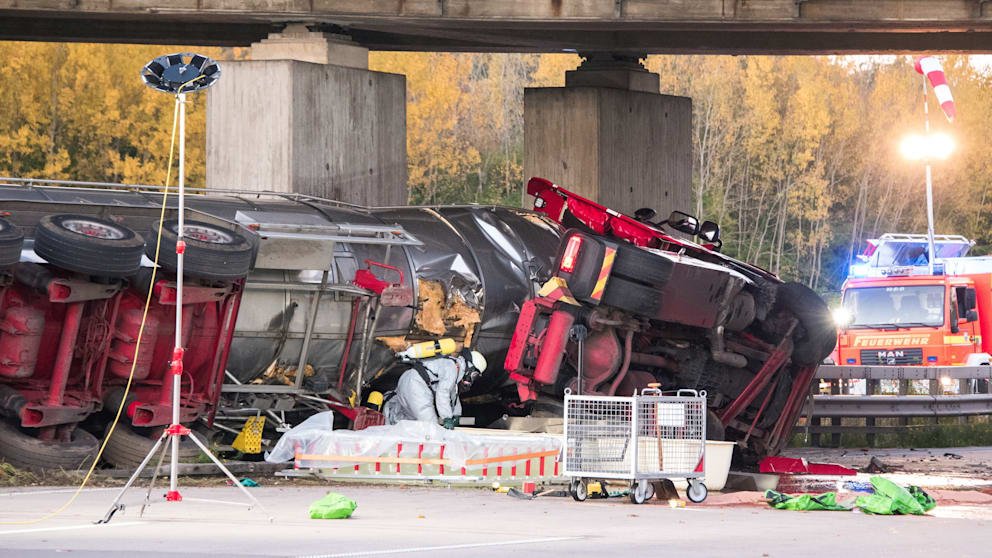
x,y
11,240
633,297
89,245
816,337
578,490
128,448
696,492
24,451
639,492
211,252
642,266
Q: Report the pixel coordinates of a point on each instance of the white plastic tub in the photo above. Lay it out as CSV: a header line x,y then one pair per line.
x,y
715,467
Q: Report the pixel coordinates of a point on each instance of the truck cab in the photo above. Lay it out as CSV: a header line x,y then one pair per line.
x,y
895,313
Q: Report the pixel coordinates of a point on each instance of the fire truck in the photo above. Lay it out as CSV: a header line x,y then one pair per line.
x,y
894,312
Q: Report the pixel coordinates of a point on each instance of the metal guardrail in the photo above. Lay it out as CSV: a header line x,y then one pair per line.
x,y
837,372
884,406
868,408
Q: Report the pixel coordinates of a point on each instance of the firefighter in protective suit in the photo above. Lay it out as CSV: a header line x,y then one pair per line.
x,y
429,390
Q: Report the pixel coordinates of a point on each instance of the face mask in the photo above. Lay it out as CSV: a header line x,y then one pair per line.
x,y
471,375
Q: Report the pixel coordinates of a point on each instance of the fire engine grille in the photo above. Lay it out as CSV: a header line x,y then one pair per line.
x,y
891,357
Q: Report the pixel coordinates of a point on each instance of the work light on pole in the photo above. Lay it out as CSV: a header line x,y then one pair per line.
x,y
178,74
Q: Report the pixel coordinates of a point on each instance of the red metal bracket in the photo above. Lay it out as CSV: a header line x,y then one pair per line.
x,y
176,365
181,247
173,496
177,430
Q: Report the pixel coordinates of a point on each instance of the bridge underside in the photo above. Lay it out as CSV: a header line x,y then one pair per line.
x,y
635,26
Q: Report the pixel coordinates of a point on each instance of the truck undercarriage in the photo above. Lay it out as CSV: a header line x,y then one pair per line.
x,y
633,306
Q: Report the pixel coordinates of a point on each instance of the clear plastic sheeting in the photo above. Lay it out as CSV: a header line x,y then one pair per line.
x,y
422,442
300,437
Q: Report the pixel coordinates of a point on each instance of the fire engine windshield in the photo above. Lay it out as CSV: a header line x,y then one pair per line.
x,y
895,306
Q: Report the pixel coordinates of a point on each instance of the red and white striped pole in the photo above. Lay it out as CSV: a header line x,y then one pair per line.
x,y
931,70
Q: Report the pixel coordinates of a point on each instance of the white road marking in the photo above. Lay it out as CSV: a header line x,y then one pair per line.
x,y
59,491
69,528
437,548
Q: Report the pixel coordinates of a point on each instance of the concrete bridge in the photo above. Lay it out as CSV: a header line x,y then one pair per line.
x,y
640,26
326,125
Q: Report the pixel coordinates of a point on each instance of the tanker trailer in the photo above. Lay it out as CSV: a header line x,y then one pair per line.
x,y
422,273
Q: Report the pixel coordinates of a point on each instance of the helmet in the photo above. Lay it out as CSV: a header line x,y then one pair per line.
x,y
478,361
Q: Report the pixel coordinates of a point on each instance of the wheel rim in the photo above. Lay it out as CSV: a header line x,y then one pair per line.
x,y
208,235
580,490
93,229
696,492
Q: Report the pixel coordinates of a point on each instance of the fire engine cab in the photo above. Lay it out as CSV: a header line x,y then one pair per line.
x,y
895,312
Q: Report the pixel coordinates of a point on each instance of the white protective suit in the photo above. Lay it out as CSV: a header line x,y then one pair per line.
x,y
415,400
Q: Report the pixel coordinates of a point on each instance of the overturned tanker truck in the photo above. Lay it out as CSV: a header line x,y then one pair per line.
x,y
305,280
296,304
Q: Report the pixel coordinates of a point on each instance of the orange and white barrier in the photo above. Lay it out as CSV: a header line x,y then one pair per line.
x,y
427,461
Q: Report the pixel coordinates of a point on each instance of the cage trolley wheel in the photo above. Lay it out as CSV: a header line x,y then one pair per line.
x,y
578,490
641,491
696,492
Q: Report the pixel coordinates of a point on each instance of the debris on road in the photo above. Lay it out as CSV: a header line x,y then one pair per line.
x,y
333,506
875,465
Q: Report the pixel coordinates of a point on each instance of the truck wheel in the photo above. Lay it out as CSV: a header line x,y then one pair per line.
x,y
643,266
88,245
10,244
128,448
819,335
24,451
211,252
632,297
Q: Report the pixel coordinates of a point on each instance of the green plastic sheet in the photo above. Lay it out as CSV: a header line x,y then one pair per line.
x,y
889,499
332,506
806,502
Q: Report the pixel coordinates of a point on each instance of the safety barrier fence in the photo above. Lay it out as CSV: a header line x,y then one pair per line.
x,y
842,412
427,461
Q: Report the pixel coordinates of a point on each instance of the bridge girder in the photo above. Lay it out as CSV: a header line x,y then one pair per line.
x,y
699,26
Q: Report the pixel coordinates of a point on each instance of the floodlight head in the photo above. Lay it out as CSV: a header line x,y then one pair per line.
x,y
183,72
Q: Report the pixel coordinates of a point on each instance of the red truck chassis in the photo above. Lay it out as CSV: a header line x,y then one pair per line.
x,y
630,305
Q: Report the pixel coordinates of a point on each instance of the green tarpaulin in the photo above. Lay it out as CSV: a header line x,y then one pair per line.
x,y
806,502
889,499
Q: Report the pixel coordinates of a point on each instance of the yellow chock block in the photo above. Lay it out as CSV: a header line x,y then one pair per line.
x,y
249,440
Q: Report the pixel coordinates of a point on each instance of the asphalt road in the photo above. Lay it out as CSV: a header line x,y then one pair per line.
x,y
398,521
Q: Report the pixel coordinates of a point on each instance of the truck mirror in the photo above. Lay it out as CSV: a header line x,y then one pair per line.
x,y
709,231
971,315
970,300
684,223
645,214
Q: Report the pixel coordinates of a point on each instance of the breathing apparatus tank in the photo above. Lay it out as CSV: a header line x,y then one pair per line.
x,y
429,349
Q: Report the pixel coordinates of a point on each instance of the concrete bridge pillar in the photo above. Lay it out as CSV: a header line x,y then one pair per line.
x,y
306,115
611,136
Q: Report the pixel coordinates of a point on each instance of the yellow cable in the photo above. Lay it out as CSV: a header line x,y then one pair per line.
x,y
137,348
